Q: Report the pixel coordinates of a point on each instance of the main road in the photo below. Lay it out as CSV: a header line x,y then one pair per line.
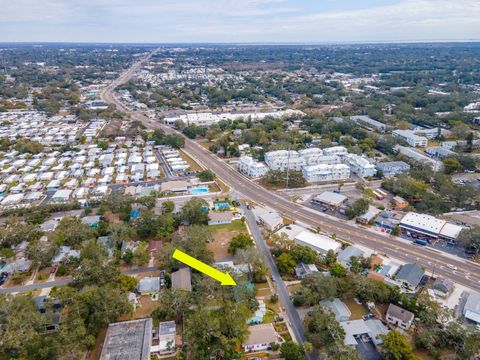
x,y
467,273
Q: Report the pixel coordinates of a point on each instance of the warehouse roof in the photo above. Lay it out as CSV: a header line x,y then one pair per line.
x,y
330,198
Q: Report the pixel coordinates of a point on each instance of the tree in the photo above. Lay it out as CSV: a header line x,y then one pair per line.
x,y
241,241
396,347
338,270
141,255
359,207
321,328
207,175
291,351
72,232
195,211
168,207
128,256
256,261
470,238
13,232
41,253
452,165
286,264
119,233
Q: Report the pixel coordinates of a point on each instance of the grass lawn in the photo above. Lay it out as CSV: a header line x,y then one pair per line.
x,y
357,310
222,234
194,166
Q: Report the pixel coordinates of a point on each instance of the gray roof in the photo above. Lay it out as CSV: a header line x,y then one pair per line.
x,y
149,284
400,313
443,285
346,254
182,279
167,327
330,198
411,274
473,303
340,310
129,340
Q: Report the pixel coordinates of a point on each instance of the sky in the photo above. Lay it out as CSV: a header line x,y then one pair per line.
x,y
240,21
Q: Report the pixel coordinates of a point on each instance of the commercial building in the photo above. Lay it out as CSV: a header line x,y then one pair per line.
x,y
252,168
322,172
410,138
393,168
428,227
471,310
128,340
271,220
330,199
320,243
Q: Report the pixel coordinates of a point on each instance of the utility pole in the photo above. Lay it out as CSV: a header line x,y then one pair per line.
x,y
288,167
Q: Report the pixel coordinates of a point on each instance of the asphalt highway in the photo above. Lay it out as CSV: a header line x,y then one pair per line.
x,y
467,273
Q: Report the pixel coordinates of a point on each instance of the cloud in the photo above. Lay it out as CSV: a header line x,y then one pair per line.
x,y
238,21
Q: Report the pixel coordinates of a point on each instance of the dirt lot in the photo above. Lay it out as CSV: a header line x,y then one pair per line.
x,y
222,234
357,310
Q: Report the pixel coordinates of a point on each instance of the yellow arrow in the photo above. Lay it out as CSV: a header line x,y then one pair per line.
x,y
223,278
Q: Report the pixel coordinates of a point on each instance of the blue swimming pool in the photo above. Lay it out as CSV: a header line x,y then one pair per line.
x,y
199,191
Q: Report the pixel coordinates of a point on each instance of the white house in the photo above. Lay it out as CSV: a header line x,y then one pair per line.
x,y
360,166
260,337
251,168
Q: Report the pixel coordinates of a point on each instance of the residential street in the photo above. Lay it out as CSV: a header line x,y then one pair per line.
x,y
293,317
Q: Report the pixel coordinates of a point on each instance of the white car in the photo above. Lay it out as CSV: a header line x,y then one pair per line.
x,y
450,266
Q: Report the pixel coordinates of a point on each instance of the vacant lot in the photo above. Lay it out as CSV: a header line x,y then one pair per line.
x,y
222,234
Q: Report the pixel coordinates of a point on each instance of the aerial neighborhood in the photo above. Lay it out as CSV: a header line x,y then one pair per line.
x,y
324,200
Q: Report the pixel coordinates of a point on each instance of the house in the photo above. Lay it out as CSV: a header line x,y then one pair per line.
x,y
167,331
50,311
64,254
399,317
471,310
443,287
149,285
179,186
420,157
220,217
182,279
128,340
330,199
410,275
254,169
338,308
345,255
303,270
19,265
260,337
270,220
61,195
91,220
393,168
357,329
368,216
49,225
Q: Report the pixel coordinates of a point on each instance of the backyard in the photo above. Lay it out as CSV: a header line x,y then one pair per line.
x,y
222,234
